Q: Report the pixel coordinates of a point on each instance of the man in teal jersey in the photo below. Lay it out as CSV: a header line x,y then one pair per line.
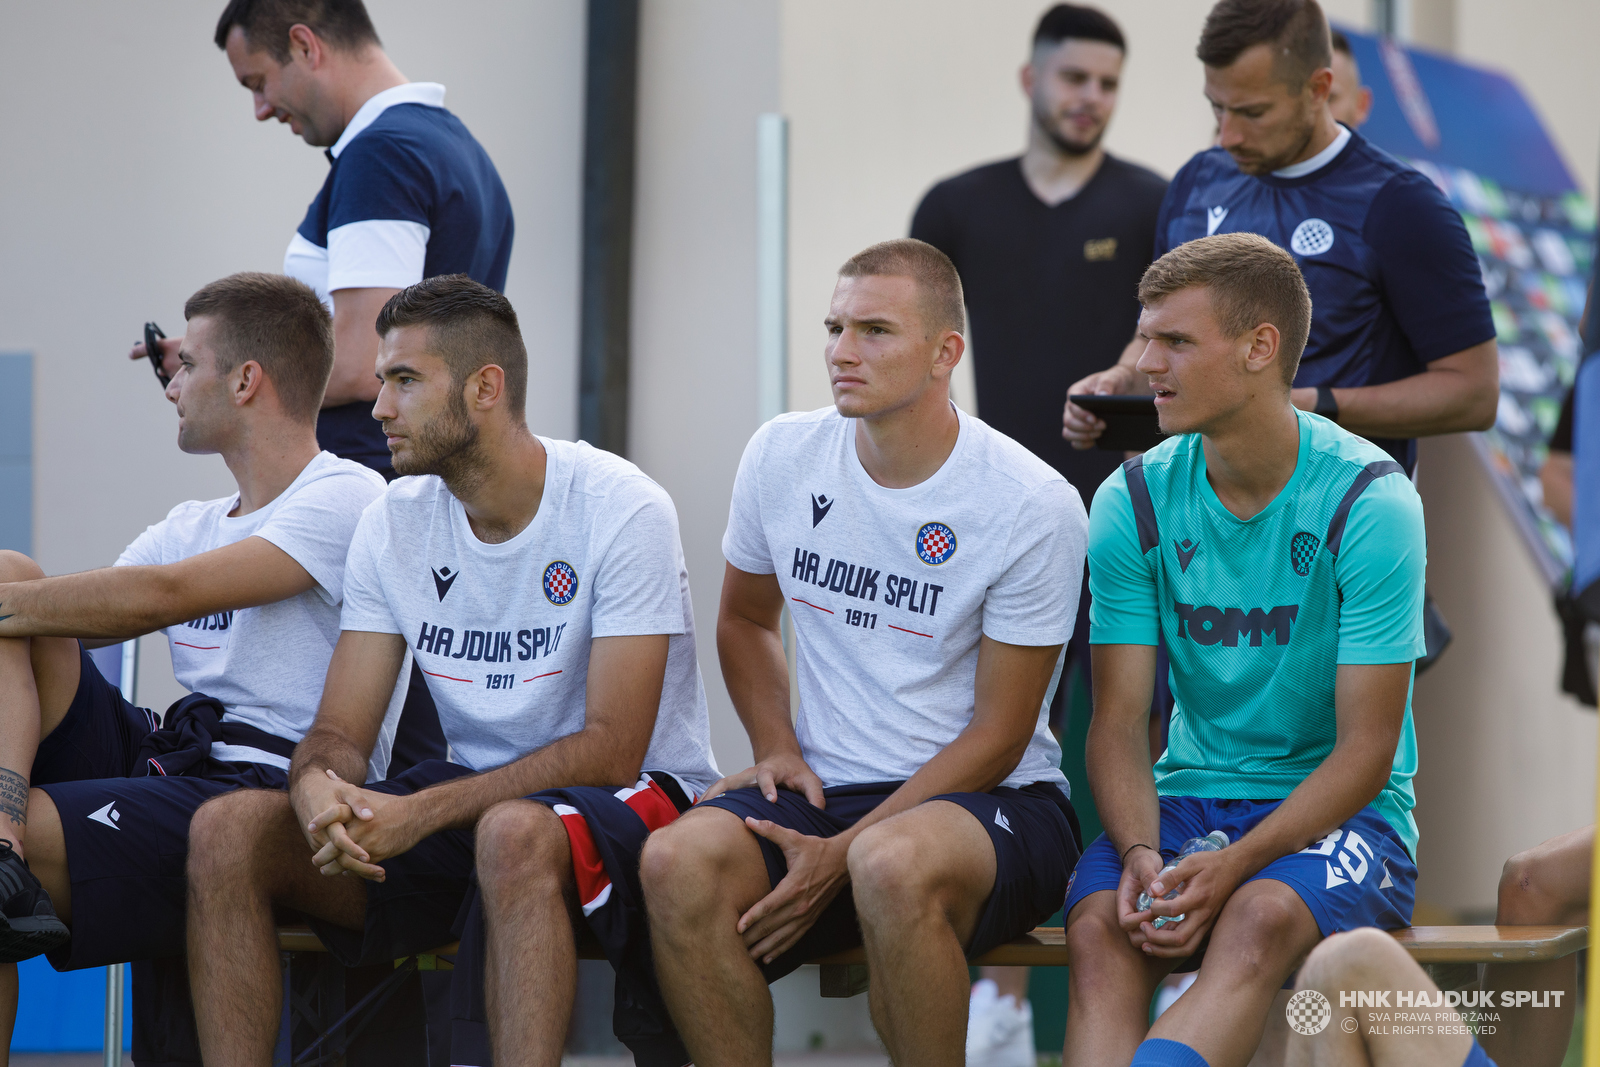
x,y
1282,560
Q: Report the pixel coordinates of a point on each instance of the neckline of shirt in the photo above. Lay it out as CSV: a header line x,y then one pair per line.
x,y
557,474
259,515
430,94
963,431
1105,158
1290,488
1318,161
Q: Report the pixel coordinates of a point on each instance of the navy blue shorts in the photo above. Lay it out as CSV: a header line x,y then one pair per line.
x,y
414,909
1033,829
1359,875
127,839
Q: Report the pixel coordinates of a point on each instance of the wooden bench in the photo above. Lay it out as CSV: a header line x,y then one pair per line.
x,y
844,974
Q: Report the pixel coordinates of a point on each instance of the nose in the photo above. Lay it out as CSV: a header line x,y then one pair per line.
x,y
1150,361
264,110
174,387
1230,131
383,408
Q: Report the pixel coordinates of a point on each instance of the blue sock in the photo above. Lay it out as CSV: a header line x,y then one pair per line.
x,y
1159,1052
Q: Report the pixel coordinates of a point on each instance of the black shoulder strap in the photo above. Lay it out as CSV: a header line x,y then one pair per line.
x,y
1144,512
1369,474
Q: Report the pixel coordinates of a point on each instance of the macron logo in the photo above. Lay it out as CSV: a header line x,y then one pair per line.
x,y
443,580
820,505
1214,219
107,815
1004,823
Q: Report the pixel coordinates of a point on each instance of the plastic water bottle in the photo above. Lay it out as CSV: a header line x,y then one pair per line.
x,y
1215,841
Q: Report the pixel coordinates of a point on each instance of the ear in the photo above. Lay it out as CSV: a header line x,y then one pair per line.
x,y
304,45
246,382
1363,105
485,388
1262,353
951,348
1320,84
1025,76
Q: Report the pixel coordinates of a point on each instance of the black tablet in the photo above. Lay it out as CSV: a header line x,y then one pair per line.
x,y
1131,424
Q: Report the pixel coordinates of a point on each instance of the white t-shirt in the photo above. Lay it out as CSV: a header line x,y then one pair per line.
x,y
267,665
503,631
890,589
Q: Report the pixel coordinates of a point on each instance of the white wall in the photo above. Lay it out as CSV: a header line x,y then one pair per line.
x,y
134,173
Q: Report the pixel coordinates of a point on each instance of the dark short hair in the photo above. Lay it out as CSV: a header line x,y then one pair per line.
x,y
278,322
1251,281
1296,30
469,326
1340,42
1075,21
343,24
936,277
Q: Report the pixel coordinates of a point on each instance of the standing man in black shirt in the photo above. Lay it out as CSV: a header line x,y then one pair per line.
x,y
1050,246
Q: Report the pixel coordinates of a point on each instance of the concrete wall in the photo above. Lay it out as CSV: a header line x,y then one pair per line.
x,y
134,174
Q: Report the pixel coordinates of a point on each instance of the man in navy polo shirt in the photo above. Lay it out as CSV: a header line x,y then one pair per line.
x,y
1402,344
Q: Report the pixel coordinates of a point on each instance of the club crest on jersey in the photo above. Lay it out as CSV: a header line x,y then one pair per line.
x,y
1302,550
936,543
560,583
1311,238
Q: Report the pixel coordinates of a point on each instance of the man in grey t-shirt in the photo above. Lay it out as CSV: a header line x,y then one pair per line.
x,y
932,568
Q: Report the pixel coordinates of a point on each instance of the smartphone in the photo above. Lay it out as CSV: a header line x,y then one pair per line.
x,y
152,348
1131,421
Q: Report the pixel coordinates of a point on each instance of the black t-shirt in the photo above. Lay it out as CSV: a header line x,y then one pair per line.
x,y
1052,292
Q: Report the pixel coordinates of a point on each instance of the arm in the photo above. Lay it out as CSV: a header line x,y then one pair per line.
x,y
1370,705
355,345
117,603
1456,393
1555,476
624,693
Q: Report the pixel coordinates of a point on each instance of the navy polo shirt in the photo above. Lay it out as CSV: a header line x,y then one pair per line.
x,y
410,194
1394,281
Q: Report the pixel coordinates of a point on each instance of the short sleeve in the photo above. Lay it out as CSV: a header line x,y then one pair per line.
x,y
366,610
637,584
932,223
744,544
380,213
1431,279
1123,607
145,550
1382,560
316,524
1035,600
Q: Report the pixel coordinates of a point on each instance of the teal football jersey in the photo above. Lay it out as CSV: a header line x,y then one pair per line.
x,y
1258,613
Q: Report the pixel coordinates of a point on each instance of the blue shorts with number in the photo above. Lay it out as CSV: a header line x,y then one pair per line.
x,y
1359,875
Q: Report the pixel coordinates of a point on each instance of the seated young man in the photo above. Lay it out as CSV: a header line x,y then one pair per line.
x,y
1342,1036
247,589
542,588
1282,560
932,568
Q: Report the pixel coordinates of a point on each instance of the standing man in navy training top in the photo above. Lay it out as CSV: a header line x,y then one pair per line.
x,y
1050,246
1402,344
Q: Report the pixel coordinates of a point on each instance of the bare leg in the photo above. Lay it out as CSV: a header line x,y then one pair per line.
x,y
245,855
8,1010
700,874
1010,981
531,967
48,860
38,677
1368,959
1275,1041
1109,985
1263,933
1547,884
920,880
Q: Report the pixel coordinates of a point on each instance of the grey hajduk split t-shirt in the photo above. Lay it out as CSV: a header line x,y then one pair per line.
x,y
891,589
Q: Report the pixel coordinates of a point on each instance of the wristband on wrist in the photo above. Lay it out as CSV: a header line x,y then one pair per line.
x,y
1139,844
1327,406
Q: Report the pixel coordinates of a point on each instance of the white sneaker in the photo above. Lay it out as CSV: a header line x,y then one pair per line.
x,y
999,1031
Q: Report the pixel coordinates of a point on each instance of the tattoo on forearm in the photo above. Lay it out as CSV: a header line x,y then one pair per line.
x,y
14,797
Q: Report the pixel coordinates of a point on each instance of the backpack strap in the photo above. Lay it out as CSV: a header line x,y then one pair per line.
x,y
1144,512
1368,474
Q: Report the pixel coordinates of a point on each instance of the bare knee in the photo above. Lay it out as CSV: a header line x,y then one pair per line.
x,y
890,874
1367,957
1265,932
229,835
684,865
15,567
521,844
1533,891
1093,933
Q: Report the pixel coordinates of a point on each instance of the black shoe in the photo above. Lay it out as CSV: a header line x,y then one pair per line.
x,y
28,923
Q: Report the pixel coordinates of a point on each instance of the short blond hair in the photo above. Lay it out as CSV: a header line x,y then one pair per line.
x,y
943,304
1251,281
